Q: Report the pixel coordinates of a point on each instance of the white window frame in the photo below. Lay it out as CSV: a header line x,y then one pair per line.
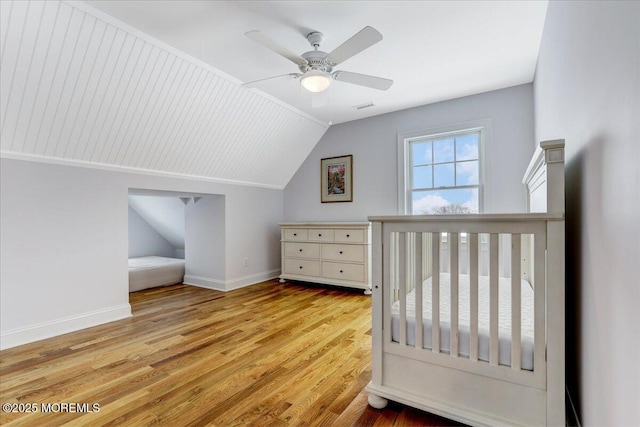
x,y
484,149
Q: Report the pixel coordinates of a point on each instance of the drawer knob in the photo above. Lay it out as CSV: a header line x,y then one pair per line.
x,y
340,252
300,250
341,271
300,267
295,234
348,235
319,234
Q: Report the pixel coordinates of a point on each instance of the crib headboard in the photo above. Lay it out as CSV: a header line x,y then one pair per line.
x,y
544,178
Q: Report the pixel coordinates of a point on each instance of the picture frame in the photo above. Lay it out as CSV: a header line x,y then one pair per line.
x,y
336,179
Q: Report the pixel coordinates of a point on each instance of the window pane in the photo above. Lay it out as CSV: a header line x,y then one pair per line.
x,y
439,165
467,173
422,177
443,150
443,175
467,147
421,153
456,201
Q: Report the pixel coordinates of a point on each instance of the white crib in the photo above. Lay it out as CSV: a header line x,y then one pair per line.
x,y
476,346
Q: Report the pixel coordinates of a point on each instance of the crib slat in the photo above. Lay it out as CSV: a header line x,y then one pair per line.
x,y
435,292
393,267
408,243
516,344
417,274
493,299
473,275
539,299
426,256
402,286
454,271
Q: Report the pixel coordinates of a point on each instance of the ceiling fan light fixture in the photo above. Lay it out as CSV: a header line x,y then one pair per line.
x,y
315,81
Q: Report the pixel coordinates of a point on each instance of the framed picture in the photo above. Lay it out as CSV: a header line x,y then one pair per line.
x,y
336,180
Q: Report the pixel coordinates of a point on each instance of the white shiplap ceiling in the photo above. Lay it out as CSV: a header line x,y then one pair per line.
x,y
80,87
154,85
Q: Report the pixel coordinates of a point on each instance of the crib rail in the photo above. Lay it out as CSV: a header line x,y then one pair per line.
x,y
407,250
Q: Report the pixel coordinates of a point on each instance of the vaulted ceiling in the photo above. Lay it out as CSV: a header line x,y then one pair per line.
x,y
155,86
432,50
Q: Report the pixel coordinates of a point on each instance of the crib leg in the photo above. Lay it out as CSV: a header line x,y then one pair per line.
x,y
282,281
377,402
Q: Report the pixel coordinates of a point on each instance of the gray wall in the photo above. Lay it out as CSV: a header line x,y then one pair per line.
x,y
144,240
64,243
205,241
587,90
63,246
373,144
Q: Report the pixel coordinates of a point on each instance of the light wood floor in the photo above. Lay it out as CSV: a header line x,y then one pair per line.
x,y
269,354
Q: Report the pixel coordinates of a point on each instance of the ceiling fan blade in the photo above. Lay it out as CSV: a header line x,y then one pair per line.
x,y
265,41
363,80
366,37
255,83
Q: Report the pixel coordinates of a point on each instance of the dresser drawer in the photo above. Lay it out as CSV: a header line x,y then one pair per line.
x,y
321,235
302,267
336,252
302,250
336,270
295,234
349,236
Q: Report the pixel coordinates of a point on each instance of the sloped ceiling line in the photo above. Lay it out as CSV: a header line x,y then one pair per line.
x,y
78,86
166,215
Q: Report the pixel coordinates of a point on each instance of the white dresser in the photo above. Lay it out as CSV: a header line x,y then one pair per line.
x,y
334,253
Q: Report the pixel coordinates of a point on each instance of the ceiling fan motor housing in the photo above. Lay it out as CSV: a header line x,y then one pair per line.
x,y
315,61
315,58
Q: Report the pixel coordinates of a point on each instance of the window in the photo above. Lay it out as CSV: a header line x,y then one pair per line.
x,y
442,170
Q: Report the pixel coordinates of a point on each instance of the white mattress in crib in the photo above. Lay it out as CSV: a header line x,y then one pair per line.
x,y
151,271
504,318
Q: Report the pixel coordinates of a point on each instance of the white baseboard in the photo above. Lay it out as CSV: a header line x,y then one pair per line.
x,y
252,279
230,285
205,282
16,337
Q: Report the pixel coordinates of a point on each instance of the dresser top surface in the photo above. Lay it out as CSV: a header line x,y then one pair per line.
x,y
325,224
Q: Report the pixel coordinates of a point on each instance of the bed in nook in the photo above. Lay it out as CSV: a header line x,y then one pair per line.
x,y
468,310
153,271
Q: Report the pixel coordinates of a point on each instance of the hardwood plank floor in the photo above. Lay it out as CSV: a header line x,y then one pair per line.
x,y
265,355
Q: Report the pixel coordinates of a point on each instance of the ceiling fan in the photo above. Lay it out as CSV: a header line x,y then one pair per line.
x,y
316,66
